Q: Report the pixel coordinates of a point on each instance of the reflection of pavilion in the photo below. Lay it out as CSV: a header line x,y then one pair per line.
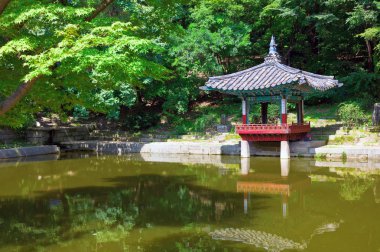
x,y
274,184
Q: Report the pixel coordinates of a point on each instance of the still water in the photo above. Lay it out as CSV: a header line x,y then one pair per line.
x,y
188,203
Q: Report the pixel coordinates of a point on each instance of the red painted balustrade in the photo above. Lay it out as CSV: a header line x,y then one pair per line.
x,y
272,132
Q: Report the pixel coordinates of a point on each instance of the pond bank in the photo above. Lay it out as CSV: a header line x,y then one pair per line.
x,y
190,147
28,151
316,149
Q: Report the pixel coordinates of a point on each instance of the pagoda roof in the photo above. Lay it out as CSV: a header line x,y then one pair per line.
x,y
271,77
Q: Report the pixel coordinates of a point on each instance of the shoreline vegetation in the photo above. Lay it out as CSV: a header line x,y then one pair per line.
x,y
134,69
327,127
136,65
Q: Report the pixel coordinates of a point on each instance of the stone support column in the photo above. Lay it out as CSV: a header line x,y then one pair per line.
x,y
245,149
285,150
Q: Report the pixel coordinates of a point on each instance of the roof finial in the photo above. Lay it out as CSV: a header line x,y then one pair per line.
x,y
272,46
273,55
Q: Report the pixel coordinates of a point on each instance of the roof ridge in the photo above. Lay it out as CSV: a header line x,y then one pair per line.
x,y
287,68
317,75
237,74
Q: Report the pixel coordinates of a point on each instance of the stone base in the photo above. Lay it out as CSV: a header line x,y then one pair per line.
x,y
245,151
28,151
285,150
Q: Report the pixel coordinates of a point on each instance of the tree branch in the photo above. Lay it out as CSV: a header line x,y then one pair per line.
x,y
21,91
101,7
3,5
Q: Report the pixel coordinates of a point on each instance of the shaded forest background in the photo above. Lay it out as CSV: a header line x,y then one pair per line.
x,y
145,59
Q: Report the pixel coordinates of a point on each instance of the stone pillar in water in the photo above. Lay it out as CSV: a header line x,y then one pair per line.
x,y
245,150
285,150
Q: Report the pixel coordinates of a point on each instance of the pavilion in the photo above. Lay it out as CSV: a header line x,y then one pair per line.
x,y
271,82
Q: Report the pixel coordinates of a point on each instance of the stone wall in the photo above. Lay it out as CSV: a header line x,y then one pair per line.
x,y
9,136
193,148
28,151
58,135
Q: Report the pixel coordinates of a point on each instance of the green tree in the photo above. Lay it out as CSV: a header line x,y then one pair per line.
x,y
67,53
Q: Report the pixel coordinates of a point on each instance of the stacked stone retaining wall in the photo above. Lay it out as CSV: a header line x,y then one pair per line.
x,y
28,151
9,136
58,135
192,148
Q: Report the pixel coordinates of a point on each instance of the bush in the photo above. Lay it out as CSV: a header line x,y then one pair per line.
x,y
199,125
80,112
141,121
352,115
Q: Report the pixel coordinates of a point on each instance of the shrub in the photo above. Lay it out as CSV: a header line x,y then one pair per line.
x,y
143,120
80,112
352,115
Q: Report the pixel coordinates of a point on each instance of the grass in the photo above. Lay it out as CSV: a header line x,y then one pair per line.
x,y
320,157
339,140
323,111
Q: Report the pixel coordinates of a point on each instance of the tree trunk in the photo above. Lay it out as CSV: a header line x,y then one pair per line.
x,y
63,2
123,113
3,5
370,57
101,7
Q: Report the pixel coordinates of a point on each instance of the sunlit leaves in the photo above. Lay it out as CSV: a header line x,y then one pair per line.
x,y
16,46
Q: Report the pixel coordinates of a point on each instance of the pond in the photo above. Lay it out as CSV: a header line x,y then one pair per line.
x,y
187,203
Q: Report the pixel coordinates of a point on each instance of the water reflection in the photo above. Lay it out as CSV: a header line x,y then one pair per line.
x,y
134,203
271,184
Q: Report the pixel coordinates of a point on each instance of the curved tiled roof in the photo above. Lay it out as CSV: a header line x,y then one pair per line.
x,y
268,75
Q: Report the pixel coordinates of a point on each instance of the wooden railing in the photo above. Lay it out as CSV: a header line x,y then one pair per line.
x,y
272,128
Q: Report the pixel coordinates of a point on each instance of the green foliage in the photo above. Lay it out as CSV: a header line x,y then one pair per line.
x,y
340,140
352,115
320,157
160,52
344,157
80,112
205,116
98,65
140,121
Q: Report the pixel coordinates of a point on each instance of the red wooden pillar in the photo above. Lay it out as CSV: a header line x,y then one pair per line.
x,y
244,110
284,112
264,112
